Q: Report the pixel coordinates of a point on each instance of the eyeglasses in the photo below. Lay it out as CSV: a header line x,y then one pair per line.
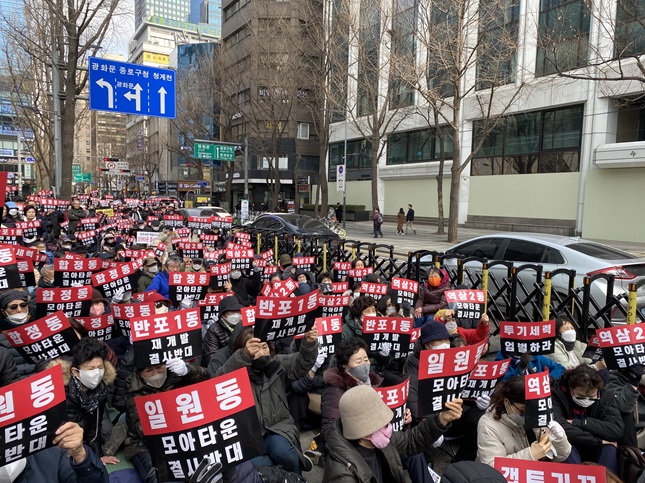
x,y
521,412
159,304
585,398
15,306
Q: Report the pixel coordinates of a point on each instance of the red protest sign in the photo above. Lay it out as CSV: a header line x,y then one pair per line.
x,y
527,471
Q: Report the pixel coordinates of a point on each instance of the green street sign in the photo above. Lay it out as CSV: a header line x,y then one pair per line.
x,y
82,177
217,152
76,169
87,177
77,177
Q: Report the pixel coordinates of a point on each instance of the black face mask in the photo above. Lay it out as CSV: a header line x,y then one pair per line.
x,y
260,363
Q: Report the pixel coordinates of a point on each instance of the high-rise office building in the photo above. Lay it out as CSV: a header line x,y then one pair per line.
x,y
178,10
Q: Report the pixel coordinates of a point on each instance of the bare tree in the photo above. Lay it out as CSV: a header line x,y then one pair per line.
x,y
66,33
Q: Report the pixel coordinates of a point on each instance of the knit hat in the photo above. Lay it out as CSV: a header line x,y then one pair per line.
x,y
432,330
285,259
229,304
11,295
362,412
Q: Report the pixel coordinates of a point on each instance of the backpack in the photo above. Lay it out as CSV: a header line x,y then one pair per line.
x,y
275,474
379,219
630,464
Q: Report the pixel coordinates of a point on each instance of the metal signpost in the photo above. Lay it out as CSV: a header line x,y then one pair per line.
x,y
131,88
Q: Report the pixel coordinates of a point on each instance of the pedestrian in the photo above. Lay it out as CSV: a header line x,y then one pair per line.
x,y
400,220
339,212
409,220
377,219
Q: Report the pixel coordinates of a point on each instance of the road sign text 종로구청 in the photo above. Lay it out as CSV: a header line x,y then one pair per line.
x,y
215,151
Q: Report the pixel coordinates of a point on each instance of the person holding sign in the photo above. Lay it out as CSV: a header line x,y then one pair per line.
x,y
590,418
569,351
161,283
361,446
501,432
14,310
470,336
431,296
269,374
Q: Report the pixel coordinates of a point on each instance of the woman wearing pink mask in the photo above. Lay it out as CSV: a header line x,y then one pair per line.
x,y
362,447
98,305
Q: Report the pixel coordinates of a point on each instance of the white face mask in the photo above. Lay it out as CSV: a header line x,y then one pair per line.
x,y
19,318
443,345
13,212
568,335
157,380
91,378
197,268
11,471
233,319
161,310
583,403
451,327
153,269
390,311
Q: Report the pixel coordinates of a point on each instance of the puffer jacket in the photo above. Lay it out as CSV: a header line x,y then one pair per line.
x,y
216,338
161,284
123,371
134,443
432,299
352,327
271,393
344,464
471,472
90,422
625,398
411,369
25,368
600,421
74,215
337,385
8,369
144,281
501,438
53,465
561,356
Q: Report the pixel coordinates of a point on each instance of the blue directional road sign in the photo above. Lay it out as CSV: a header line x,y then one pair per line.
x,y
131,88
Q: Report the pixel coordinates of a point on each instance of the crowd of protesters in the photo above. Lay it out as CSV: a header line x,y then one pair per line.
x,y
295,385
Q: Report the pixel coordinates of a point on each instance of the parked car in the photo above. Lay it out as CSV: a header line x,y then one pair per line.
x,y
292,224
204,211
553,252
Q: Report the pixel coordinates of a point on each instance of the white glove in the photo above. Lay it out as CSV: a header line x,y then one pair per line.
x,y
385,349
557,432
187,303
483,402
438,443
178,366
320,360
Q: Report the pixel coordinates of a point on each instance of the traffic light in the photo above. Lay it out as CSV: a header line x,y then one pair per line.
x,y
107,160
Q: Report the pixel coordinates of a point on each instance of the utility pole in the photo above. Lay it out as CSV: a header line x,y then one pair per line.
x,y
58,141
19,165
246,167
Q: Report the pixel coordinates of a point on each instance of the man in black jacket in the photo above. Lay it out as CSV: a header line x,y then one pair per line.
x,y
409,220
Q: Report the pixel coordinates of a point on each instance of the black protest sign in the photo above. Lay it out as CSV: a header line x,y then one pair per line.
x,y
396,398
124,313
190,250
100,327
9,274
622,347
74,272
158,338
330,333
11,236
539,407
220,274
192,285
31,410
468,306
209,306
26,271
443,375
173,221
241,258
593,350
307,264
29,229
74,301
395,331
201,223
374,290
538,338
404,291
216,419
117,278
484,378
341,270
276,318
209,241
333,305
46,338
86,238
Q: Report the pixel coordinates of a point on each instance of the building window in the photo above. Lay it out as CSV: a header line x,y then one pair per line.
x,y
359,152
403,53
498,37
563,38
532,142
369,39
630,28
417,147
303,130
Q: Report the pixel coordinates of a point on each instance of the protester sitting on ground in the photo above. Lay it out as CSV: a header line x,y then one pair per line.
x,y
569,351
270,375
219,332
470,336
325,283
501,432
14,310
528,363
160,283
362,447
388,306
154,379
359,308
431,296
624,385
8,369
148,273
589,416
246,289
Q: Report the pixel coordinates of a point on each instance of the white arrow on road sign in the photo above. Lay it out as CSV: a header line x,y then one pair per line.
x,y
162,100
136,96
107,85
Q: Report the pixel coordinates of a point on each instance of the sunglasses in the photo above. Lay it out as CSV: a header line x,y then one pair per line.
x,y
159,304
15,306
585,398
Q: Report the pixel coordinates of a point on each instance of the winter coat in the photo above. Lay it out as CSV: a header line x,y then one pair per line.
x,y
137,386
8,369
411,369
536,365
219,358
625,400
471,472
271,393
501,438
344,464
25,368
352,327
400,221
600,421
89,421
432,299
161,284
74,215
53,465
473,336
144,281
123,371
216,338
337,385
246,289
409,216
561,356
